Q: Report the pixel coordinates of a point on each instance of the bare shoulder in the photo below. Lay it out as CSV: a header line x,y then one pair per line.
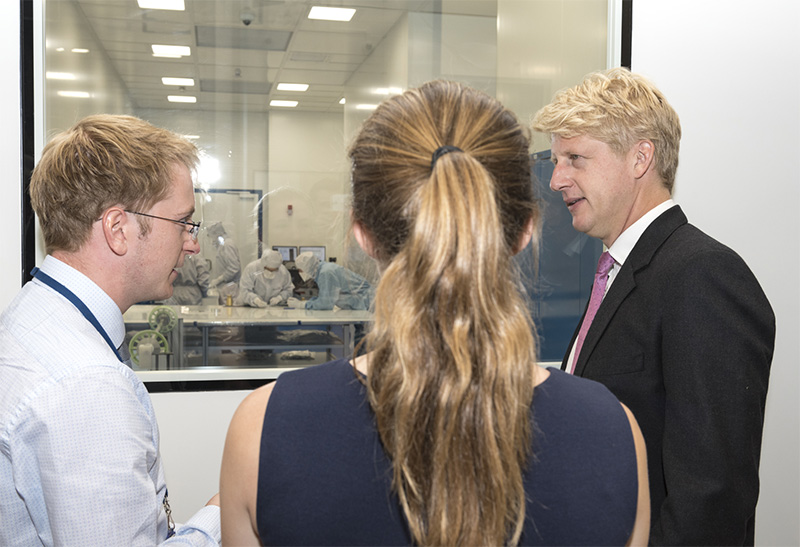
x,y
256,402
244,431
641,526
239,473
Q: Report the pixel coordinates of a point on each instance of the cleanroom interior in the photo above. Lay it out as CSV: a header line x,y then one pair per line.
x,y
277,175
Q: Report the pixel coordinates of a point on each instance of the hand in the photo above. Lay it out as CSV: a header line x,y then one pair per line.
x,y
275,300
217,281
258,303
295,303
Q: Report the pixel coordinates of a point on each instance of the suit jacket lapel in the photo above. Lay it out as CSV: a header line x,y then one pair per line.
x,y
651,240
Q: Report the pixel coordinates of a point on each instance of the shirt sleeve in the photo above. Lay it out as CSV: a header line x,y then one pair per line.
x,y
202,530
88,448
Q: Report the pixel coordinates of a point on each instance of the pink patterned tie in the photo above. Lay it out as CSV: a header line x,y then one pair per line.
x,y
598,290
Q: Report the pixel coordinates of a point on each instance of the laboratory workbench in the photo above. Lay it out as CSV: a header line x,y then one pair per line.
x,y
221,342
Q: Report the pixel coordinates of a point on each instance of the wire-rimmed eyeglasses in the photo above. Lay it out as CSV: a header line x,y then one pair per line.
x,y
193,231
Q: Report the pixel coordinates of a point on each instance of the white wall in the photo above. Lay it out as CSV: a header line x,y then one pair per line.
x,y
386,67
545,46
66,26
192,427
10,155
730,69
453,47
307,170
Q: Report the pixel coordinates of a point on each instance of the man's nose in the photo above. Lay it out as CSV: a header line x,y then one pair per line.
x,y
191,246
559,180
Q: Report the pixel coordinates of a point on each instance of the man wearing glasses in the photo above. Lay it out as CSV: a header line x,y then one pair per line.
x,y
79,444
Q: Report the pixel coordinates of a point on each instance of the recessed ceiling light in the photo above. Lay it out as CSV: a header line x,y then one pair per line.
x,y
181,99
286,104
331,14
191,137
175,5
292,87
79,50
387,91
177,81
342,101
366,107
59,76
75,94
171,51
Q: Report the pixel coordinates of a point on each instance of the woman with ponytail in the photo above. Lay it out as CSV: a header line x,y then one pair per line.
x,y
446,432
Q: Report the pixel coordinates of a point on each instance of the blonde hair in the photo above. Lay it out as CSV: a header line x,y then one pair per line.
x,y
618,108
103,161
453,347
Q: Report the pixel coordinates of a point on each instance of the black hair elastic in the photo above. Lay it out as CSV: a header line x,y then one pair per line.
x,y
441,151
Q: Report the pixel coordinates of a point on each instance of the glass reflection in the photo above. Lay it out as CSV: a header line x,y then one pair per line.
x,y
274,174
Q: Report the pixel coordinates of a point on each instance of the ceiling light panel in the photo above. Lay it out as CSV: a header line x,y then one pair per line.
x,y
174,5
331,14
74,94
292,87
178,81
285,104
59,76
171,51
181,99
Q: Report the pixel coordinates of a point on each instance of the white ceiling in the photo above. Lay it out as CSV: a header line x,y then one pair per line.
x,y
237,67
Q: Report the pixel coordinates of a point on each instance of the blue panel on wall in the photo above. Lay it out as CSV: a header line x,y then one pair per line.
x,y
560,289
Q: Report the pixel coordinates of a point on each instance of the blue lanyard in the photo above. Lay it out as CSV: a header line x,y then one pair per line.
x,y
77,302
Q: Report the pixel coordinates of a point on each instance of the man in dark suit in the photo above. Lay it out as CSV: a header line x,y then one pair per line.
x,y
683,334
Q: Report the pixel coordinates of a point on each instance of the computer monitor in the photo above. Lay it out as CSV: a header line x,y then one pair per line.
x,y
288,252
316,250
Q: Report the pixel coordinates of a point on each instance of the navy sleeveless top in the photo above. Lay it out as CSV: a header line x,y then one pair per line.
x,y
324,478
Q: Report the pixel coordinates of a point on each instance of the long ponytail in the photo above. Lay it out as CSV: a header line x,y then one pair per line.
x,y
452,347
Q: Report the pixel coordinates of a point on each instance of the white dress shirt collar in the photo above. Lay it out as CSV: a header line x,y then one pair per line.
x,y
627,240
99,303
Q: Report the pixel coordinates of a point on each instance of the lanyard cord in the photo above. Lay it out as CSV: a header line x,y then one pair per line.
x,y
77,302
87,313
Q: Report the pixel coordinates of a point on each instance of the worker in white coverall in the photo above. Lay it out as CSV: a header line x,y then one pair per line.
x,y
265,282
228,265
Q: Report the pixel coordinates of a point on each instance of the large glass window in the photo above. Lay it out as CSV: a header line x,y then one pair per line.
x,y
271,95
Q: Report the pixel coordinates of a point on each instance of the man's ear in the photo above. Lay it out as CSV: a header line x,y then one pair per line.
x,y
525,236
364,239
645,155
117,227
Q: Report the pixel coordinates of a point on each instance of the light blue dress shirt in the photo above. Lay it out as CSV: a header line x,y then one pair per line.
x,y
79,442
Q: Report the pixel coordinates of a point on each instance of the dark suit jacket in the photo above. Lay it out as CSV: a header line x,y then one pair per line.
x,y
684,338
